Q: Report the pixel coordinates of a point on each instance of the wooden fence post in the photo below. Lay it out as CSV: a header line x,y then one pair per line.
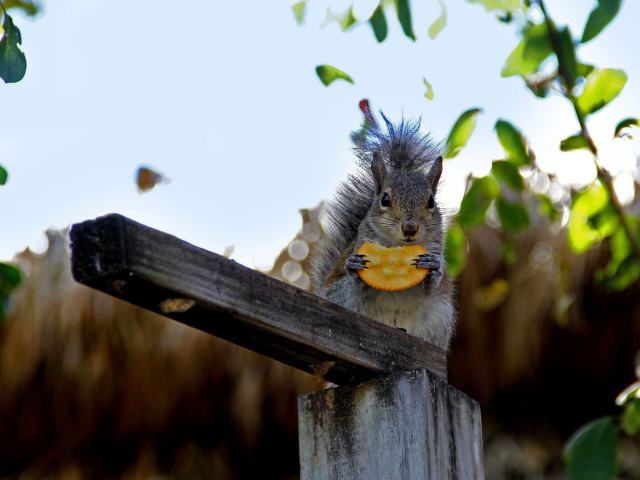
x,y
404,422
406,426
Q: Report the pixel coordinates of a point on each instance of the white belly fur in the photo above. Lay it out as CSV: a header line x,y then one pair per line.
x,y
428,317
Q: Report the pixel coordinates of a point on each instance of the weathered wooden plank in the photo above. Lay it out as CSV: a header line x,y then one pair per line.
x,y
405,426
164,274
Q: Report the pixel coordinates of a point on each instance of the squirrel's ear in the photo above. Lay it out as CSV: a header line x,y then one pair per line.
x,y
379,170
433,177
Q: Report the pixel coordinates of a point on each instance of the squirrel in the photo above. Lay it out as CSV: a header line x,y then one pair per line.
x,y
390,200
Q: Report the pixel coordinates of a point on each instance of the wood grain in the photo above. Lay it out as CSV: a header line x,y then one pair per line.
x,y
405,426
162,273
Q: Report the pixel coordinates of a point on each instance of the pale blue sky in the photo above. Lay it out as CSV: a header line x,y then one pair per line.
x,y
222,97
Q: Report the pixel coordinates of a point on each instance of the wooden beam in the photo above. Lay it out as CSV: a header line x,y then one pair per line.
x,y
405,426
164,274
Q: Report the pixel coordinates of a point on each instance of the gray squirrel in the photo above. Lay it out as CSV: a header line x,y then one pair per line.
x,y
390,200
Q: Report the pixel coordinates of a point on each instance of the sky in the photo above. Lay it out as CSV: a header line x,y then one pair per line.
x,y
223,99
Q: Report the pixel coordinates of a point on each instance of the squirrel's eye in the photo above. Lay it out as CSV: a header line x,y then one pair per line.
x,y
431,203
385,201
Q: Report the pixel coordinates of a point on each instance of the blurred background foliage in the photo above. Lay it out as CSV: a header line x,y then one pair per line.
x,y
548,294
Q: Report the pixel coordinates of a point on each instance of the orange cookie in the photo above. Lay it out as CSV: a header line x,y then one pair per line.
x,y
390,269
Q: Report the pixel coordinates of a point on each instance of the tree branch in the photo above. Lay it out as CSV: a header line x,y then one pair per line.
x,y
603,174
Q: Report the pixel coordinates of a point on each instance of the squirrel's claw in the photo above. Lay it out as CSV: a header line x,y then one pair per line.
x,y
431,261
354,263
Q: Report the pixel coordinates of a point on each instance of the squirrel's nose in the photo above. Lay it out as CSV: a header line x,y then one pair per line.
x,y
410,228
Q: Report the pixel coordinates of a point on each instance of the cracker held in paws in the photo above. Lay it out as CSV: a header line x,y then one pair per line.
x,y
391,269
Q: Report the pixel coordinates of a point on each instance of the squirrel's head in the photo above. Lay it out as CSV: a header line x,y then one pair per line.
x,y
404,206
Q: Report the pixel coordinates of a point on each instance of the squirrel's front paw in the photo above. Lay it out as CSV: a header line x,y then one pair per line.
x,y
432,261
354,263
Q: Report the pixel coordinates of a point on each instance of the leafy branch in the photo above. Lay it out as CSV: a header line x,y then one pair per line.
x,y
567,69
13,63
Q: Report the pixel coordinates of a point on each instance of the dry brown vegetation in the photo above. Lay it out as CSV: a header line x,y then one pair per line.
x,y
543,347
92,387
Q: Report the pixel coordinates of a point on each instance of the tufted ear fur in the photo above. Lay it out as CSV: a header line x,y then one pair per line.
x,y
379,170
433,177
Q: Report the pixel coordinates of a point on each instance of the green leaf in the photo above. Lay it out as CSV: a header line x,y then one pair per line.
x,y
27,7
546,207
429,93
605,221
600,17
502,5
490,297
346,20
530,53
299,11
328,74
628,393
516,64
455,250
4,175
623,268
602,87
574,142
437,26
583,70
379,24
582,235
513,143
508,174
476,201
4,303
627,122
506,17
10,276
13,63
567,57
627,274
592,452
631,418
512,216
403,11
461,132
509,253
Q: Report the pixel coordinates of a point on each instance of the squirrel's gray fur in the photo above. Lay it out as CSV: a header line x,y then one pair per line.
x,y
403,162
